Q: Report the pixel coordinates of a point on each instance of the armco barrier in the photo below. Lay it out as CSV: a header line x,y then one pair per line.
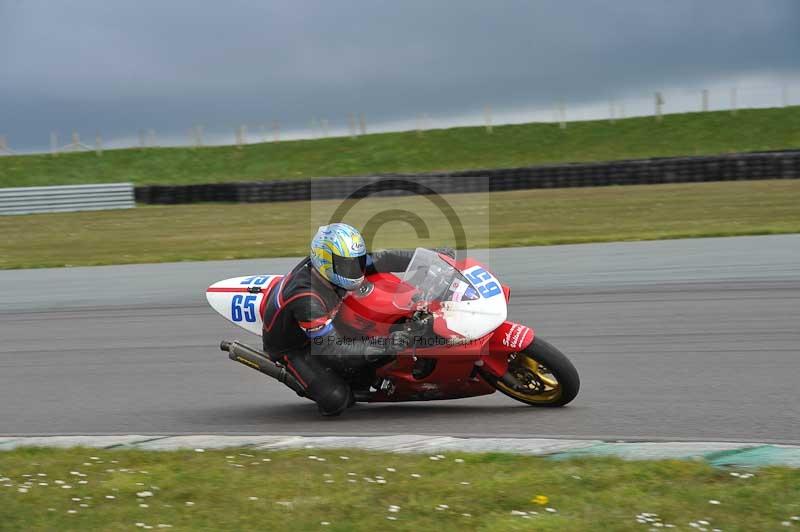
x,y
733,167
29,200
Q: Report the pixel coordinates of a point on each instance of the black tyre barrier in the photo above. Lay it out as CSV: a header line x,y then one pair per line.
x,y
732,167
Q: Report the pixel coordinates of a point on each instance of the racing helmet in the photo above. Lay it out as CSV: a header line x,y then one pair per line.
x,y
339,254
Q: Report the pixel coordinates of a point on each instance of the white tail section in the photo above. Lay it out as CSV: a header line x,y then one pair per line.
x,y
241,300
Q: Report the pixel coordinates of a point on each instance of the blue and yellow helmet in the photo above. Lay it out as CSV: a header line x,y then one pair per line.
x,y
339,254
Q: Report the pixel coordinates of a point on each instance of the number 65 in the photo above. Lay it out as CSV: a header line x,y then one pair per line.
x,y
248,303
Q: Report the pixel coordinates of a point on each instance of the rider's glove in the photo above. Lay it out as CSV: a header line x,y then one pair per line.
x,y
397,341
394,343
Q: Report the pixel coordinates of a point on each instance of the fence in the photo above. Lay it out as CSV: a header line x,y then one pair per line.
x,y
742,166
29,200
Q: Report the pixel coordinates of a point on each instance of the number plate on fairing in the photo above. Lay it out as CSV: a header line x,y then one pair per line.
x,y
242,299
481,308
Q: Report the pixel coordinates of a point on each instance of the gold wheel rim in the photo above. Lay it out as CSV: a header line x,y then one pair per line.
x,y
540,384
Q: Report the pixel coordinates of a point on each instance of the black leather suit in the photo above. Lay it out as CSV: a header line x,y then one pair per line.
x,y
299,330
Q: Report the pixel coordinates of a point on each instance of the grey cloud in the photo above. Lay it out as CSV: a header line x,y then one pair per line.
x,y
119,66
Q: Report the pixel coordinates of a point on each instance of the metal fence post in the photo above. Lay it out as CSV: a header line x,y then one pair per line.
x,y
197,136
659,102
76,144
4,149
351,125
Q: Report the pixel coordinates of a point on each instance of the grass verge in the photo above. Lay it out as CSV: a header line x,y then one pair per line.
x,y
88,489
442,149
521,218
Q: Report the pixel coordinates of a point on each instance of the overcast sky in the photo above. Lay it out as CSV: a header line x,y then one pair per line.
x,y
115,67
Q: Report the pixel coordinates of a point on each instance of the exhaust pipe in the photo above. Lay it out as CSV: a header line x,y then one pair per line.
x,y
255,359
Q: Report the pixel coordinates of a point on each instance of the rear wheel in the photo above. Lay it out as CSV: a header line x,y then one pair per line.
x,y
539,375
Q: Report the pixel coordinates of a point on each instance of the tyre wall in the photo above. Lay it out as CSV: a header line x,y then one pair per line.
x,y
731,167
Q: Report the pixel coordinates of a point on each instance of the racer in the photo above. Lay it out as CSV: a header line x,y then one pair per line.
x,y
299,314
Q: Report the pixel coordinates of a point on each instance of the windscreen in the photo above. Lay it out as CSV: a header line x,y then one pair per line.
x,y
434,280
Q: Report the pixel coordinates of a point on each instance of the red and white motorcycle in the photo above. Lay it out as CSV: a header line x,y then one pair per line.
x,y
463,347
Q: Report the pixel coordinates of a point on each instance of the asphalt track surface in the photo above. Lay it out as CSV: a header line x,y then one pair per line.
x,y
674,340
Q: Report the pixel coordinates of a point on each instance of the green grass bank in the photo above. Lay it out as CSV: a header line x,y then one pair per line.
x,y
441,149
520,218
246,489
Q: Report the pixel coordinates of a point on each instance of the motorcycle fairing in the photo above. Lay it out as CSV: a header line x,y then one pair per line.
x,y
509,338
456,372
241,300
454,376
477,316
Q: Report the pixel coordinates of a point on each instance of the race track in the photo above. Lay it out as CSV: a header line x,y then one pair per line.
x,y
679,340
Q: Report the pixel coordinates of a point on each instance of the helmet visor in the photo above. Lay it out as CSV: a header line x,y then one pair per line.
x,y
350,267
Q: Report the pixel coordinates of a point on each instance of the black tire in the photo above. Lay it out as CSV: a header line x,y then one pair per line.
x,y
560,367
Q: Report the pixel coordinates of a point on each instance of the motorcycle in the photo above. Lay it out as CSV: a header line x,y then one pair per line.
x,y
456,312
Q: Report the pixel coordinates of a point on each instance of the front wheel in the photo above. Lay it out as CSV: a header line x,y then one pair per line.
x,y
539,375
